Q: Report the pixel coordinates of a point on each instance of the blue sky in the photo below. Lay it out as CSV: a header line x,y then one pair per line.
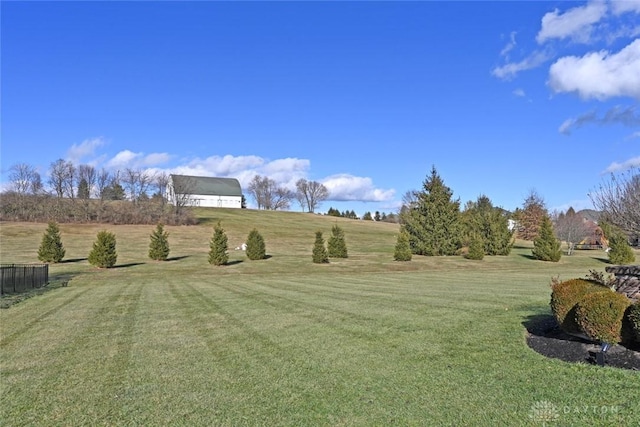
x,y
365,97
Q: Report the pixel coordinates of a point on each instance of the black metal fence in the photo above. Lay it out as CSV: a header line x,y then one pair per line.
x,y
22,277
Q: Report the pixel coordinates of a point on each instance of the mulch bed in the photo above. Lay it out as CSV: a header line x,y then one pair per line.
x,y
545,337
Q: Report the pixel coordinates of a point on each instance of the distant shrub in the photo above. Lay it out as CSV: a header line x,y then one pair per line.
x,y
600,315
632,317
476,249
218,246
336,245
159,245
546,247
620,253
402,251
320,255
51,248
104,253
256,248
564,297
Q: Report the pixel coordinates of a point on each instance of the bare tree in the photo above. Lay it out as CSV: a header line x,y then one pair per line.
x,y
570,227
88,174
268,195
61,178
161,181
618,199
136,182
281,198
180,189
310,194
22,177
102,182
258,189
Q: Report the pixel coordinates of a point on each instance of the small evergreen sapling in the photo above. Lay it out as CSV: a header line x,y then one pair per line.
x,y
256,248
218,246
51,248
545,246
104,253
320,255
159,245
620,252
403,250
336,245
476,249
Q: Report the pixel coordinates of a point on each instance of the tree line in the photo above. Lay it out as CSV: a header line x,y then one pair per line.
x,y
435,224
83,193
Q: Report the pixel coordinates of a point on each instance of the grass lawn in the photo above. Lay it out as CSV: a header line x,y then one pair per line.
x,y
363,341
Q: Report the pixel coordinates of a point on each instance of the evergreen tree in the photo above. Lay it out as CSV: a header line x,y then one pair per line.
x,y
218,247
402,250
490,225
620,252
83,189
51,248
530,216
256,248
337,247
545,246
476,249
320,255
367,216
434,223
104,253
159,245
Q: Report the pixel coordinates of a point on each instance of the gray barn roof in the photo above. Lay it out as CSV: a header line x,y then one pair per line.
x,y
206,186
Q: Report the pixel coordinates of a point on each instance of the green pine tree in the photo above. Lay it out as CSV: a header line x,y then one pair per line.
x,y
320,255
546,247
476,249
51,248
402,250
620,253
218,247
489,224
104,253
256,248
83,189
336,245
434,223
159,245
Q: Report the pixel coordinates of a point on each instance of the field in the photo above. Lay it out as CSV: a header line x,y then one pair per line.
x,y
363,341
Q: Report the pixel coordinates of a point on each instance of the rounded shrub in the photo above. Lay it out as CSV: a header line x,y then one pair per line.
x,y
600,314
564,297
632,323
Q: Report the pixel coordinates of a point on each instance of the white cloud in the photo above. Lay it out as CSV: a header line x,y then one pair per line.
x,y
576,23
509,47
623,6
154,159
634,162
599,75
345,187
634,135
519,92
86,148
123,159
284,171
510,70
129,159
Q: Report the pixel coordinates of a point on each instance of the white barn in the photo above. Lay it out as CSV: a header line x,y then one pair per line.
x,y
204,191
